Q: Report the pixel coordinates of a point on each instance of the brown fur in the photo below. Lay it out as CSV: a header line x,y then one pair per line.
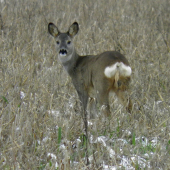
x,y
87,72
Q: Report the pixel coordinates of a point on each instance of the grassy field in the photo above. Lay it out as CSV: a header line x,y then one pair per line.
x,y
40,117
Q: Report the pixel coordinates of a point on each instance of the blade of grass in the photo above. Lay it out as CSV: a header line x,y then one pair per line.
x,y
4,99
59,136
133,139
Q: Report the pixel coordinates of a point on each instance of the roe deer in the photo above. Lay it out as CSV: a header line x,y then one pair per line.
x,y
93,75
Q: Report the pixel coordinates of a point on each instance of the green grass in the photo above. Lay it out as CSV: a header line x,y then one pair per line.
x,y
4,99
59,135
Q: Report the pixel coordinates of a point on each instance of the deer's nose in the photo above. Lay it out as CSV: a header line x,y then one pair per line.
x,y
63,52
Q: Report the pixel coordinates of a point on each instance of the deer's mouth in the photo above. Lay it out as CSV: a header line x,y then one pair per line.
x,y
63,52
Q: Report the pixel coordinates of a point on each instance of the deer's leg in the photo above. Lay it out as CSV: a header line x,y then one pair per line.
x,y
83,96
103,100
125,99
83,100
92,107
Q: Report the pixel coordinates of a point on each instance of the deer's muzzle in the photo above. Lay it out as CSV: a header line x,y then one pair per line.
x,y
63,52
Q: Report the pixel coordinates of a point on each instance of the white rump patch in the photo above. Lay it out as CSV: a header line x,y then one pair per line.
x,y
124,70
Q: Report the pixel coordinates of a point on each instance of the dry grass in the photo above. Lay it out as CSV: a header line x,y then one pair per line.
x,y
37,98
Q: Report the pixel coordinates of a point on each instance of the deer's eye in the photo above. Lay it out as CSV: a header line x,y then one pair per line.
x,y
68,42
58,42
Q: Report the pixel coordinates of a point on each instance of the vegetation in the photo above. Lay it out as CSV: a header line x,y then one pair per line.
x,y
41,126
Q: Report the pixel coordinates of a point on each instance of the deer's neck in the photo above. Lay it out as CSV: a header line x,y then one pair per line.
x,y
70,65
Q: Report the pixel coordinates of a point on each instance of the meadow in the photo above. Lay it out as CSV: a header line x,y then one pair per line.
x,y
41,126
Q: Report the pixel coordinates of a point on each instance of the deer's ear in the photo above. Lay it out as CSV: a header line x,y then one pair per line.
x,y
73,30
53,30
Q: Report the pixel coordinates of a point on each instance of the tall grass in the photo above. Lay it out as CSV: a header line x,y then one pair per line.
x,y
37,96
